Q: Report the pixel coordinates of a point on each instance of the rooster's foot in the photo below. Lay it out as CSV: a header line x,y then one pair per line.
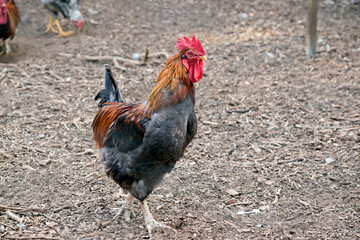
x,y
5,48
50,27
150,222
126,209
65,34
61,31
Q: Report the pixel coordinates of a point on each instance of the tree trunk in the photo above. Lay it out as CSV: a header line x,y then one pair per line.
x,y
311,38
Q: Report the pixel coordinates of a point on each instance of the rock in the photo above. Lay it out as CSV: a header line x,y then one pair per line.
x,y
329,160
232,192
93,11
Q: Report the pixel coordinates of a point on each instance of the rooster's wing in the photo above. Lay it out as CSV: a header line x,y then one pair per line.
x,y
120,125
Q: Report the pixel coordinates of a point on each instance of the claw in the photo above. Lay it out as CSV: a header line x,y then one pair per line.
x,y
150,222
50,27
128,213
126,209
5,49
150,225
61,32
65,34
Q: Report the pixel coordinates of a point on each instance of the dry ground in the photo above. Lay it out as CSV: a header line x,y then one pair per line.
x,y
277,151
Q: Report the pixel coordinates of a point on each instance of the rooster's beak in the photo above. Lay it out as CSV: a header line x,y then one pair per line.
x,y
3,5
203,58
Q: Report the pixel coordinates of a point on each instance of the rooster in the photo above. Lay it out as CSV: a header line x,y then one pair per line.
x,y
9,19
140,142
69,9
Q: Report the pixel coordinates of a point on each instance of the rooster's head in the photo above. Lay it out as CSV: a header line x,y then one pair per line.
x,y
192,56
77,19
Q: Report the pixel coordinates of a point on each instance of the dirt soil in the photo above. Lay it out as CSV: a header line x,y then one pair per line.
x,y
277,151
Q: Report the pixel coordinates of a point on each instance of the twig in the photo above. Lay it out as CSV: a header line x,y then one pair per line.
x,y
311,33
277,194
289,218
353,115
22,71
245,230
159,207
276,200
13,216
91,235
64,124
75,205
34,149
75,124
50,218
66,55
61,208
155,54
290,161
105,224
28,167
146,56
303,203
117,65
56,76
11,208
210,123
8,226
239,111
33,237
2,77
102,58
345,119
86,152
22,209
239,203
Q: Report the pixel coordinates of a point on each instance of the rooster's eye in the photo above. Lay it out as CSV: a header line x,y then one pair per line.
x,y
190,54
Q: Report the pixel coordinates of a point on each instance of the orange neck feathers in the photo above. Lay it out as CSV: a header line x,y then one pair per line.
x,y
13,17
172,86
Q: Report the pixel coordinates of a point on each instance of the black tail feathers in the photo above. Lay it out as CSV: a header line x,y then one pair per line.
x,y
111,92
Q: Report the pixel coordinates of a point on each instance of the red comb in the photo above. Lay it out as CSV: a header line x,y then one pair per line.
x,y
194,44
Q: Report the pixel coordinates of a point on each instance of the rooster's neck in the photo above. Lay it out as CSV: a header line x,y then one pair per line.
x,y
172,87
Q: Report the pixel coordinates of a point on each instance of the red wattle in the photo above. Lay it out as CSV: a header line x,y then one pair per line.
x,y
195,69
3,15
198,70
3,18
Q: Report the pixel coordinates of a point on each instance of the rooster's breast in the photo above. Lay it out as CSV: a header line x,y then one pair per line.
x,y
165,137
5,30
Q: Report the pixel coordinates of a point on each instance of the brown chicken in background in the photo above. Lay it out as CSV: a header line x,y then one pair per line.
x,y
140,142
9,19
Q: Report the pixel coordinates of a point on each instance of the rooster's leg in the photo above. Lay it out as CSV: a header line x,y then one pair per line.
x,y
50,26
150,222
61,31
127,208
2,47
5,48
